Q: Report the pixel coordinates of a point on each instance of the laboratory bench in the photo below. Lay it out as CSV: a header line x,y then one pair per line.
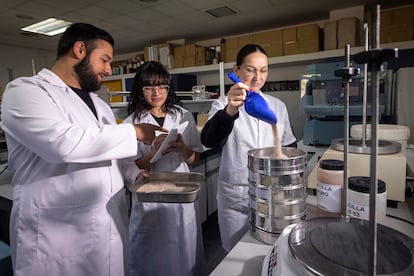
x,y
247,256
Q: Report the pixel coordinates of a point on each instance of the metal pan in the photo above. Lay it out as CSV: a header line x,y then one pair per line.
x,y
171,187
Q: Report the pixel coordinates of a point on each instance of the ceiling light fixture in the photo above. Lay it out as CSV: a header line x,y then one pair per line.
x,y
50,27
220,12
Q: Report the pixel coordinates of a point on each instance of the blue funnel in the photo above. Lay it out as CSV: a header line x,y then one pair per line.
x,y
256,106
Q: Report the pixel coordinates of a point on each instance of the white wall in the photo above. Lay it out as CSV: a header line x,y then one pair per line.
x,y
17,61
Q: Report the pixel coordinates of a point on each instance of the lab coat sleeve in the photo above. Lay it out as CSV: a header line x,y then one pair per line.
x,y
56,130
141,147
129,170
217,129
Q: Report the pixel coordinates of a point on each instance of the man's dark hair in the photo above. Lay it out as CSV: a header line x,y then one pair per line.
x,y
81,32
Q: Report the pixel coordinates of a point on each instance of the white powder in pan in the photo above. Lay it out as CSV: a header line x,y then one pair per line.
x,y
161,186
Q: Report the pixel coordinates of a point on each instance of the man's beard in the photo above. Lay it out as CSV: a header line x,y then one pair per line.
x,y
88,80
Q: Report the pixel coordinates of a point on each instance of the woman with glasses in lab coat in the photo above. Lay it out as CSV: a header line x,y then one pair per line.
x,y
165,238
230,128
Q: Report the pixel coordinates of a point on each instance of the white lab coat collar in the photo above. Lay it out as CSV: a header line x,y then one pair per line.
x,y
52,78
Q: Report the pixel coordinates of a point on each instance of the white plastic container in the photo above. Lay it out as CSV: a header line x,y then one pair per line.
x,y
388,132
330,179
358,198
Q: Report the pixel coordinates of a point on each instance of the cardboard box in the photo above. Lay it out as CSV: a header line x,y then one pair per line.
x,y
276,37
231,54
190,50
178,61
244,40
310,31
310,45
200,55
291,48
189,61
274,50
289,34
385,17
267,38
179,51
232,42
349,32
402,15
330,35
395,33
262,38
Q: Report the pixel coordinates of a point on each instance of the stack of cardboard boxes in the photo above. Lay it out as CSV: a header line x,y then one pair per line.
x,y
301,39
271,41
288,41
177,56
396,25
192,55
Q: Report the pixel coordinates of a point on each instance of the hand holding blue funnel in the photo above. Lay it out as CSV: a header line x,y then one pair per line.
x,y
255,105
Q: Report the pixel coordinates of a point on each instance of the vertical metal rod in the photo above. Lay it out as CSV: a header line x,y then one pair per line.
x,y
222,87
346,80
364,97
374,68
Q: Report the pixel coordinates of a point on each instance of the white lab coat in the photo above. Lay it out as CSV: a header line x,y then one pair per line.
x,y
232,190
166,238
69,214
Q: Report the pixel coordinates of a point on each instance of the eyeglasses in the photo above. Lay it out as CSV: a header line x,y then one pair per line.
x,y
250,70
163,88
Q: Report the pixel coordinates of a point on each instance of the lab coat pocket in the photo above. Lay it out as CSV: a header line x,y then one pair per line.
x,y
66,234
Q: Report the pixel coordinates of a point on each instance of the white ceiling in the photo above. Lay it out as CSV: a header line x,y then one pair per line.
x,y
135,24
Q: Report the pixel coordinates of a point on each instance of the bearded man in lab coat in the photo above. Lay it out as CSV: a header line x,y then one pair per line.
x,y
70,161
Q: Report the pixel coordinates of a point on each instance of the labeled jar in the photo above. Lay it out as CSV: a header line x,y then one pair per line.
x,y
358,198
330,179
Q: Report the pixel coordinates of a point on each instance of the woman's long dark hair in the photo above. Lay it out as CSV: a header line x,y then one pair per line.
x,y
151,73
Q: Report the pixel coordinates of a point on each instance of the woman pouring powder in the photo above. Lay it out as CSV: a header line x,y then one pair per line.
x,y
229,127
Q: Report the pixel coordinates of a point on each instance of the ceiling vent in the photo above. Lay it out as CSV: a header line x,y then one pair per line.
x,y
220,12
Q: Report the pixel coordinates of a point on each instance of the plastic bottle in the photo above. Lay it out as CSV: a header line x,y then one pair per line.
x,y
330,179
358,198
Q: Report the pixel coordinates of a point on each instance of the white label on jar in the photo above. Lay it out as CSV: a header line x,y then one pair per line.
x,y
329,197
358,211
